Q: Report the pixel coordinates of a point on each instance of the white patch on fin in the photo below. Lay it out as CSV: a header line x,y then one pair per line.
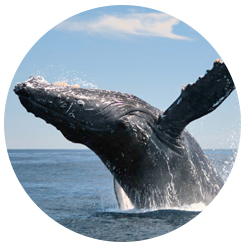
x,y
122,198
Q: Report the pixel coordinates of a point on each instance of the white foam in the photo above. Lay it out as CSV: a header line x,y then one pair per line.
x,y
193,207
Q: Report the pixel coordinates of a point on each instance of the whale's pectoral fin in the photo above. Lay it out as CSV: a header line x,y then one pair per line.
x,y
198,99
122,198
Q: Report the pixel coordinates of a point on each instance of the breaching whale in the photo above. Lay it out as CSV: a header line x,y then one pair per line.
x,y
155,161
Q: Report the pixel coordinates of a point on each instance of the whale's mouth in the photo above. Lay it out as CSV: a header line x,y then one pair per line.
x,y
51,116
39,110
33,101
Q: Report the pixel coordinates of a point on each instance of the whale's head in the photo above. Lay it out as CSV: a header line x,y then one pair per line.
x,y
93,117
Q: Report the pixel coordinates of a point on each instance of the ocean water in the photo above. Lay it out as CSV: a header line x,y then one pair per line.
x,y
75,189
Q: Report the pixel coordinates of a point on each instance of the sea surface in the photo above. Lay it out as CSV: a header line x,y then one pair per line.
x,y
75,189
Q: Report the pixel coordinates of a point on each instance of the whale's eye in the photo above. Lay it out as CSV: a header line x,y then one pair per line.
x,y
122,125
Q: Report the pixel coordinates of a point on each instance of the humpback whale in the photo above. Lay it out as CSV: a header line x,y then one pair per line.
x,y
155,161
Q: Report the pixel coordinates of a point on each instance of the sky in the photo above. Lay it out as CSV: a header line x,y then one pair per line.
x,y
122,48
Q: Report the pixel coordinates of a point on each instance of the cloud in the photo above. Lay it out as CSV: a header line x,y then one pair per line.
x,y
139,24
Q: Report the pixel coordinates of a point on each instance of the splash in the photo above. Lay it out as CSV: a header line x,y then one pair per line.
x,y
70,77
196,207
77,81
127,206
228,165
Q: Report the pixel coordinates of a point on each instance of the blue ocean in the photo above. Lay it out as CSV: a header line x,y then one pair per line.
x,y
75,189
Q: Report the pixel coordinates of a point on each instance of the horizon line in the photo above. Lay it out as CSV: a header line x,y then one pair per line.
x,y
92,150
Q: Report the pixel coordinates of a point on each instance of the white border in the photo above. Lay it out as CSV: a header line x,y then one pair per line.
x,y
222,225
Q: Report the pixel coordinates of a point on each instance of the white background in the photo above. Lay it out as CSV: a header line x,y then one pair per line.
x,y
225,223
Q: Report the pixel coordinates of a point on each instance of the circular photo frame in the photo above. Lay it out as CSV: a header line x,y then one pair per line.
x,y
145,123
